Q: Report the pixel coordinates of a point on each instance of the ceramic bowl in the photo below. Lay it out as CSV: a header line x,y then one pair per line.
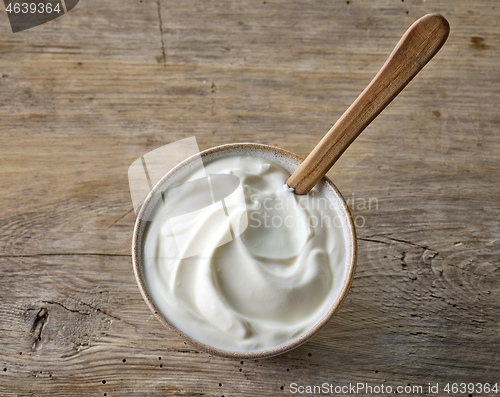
x,y
288,161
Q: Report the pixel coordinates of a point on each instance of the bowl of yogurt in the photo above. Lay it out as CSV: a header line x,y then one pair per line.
x,y
235,263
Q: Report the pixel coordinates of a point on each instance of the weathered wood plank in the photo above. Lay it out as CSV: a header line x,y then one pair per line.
x,y
123,31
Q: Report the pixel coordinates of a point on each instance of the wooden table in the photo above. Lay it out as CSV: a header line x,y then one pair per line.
x,y
85,95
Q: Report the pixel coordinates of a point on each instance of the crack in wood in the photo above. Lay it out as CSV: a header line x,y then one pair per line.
x,y
403,257
85,313
427,256
39,322
67,308
408,242
100,311
432,253
161,35
373,241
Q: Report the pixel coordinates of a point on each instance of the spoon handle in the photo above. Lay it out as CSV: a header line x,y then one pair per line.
x,y
417,47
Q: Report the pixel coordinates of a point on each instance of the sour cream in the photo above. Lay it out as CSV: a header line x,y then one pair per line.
x,y
244,268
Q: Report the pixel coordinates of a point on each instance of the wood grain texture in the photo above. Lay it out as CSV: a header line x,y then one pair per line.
x,y
84,96
414,50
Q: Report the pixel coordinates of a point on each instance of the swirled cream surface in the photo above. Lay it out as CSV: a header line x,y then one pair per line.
x,y
237,261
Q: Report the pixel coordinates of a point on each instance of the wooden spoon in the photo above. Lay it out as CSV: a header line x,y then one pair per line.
x,y
417,47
